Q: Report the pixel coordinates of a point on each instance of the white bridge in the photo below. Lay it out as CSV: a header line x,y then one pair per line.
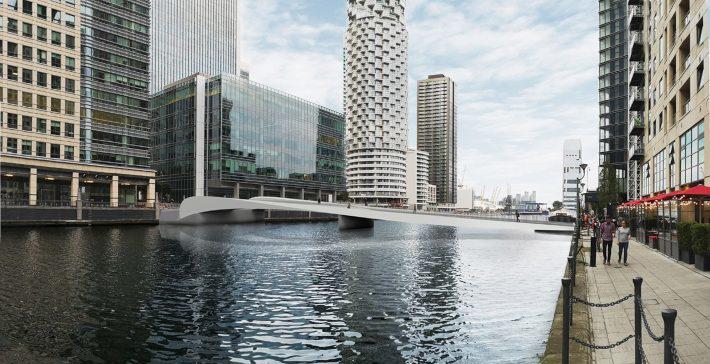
x,y
219,210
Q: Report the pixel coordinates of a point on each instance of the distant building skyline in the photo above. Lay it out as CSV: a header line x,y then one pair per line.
x,y
193,36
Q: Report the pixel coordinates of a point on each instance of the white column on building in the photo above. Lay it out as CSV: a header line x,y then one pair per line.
x,y
150,199
113,197
200,82
74,188
33,186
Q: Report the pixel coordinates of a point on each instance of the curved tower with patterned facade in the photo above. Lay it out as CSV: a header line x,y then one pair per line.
x,y
375,102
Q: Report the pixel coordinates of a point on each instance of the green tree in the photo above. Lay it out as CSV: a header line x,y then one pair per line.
x,y
609,189
557,205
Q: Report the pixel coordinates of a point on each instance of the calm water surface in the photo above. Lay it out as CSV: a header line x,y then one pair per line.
x,y
278,293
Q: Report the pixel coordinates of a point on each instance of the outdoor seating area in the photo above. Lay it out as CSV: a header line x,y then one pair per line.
x,y
677,224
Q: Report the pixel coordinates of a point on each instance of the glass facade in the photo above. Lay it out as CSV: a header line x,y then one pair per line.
x,y
613,88
192,36
692,154
114,82
254,136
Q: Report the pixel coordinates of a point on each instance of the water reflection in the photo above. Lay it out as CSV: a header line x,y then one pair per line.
x,y
291,292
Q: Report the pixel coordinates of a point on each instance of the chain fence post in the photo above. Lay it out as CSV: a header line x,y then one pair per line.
x,y
566,318
669,316
593,252
573,273
637,318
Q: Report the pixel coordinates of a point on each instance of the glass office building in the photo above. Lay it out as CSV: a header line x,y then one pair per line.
x,y
191,36
228,136
613,89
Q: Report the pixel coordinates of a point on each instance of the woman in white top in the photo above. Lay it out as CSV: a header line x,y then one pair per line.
x,y
623,233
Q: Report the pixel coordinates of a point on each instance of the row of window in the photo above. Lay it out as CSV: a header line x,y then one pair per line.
x,y
28,99
39,56
42,12
39,78
41,34
692,162
38,125
24,147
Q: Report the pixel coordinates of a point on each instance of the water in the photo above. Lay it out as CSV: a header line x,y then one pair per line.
x,y
291,292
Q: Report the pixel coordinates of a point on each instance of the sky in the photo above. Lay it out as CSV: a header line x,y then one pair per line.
x,y
526,74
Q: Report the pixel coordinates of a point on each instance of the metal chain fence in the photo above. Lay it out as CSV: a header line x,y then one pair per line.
x,y
601,347
577,299
645,323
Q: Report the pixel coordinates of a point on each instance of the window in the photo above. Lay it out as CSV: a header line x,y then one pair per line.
x,y
659,172
42,102
692,154
26,99
12,49
41,149
27,123
56,105
41,125
56,60
26,75
27,29
700,75
54,151
700,32
56,82
12,25
11,145
41,11
69,63
69,41
56,16
41,79
69,85
55,128
42,56
68,152
69,20
12,121
56,38
68,130
27,147
12,73
12,4
42,34
69,107
27,53
27,7
12,97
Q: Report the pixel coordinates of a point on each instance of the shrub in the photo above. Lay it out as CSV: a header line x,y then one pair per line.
x,y
685,236
701,235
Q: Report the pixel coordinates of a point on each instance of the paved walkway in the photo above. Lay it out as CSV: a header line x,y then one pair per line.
x,y
666,284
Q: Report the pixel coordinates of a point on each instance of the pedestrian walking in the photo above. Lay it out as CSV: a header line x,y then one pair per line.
x,y
607,231
623,233
517,216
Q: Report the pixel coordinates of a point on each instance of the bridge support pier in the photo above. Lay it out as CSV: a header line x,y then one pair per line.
x,y
350,223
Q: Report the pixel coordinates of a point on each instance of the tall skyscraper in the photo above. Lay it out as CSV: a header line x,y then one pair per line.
x,y
417,178
43,133
115,126
376,101
192,36
437,133
571,170
613,89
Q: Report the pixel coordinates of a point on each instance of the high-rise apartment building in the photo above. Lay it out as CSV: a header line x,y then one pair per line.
x,y
375,99
115,57
229,136
192,36
437,133
571,171
417,178
613,90
42,133
671,41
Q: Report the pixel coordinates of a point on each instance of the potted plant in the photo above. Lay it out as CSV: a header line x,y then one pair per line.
x,y
685,242
701,246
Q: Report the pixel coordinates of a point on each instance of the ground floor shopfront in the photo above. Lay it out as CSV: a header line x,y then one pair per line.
x,y
38,182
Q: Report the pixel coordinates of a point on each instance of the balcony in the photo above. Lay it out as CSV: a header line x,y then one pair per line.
x,y
635,46
636,98
635,123
635,2
636,151
636,73
635,17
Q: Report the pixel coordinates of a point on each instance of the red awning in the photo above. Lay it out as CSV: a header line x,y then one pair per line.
x,y
697,191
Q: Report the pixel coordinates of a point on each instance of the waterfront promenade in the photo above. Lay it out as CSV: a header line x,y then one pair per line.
x,y
666,284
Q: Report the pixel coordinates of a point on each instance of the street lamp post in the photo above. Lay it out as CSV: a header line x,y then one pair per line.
x,y
583,166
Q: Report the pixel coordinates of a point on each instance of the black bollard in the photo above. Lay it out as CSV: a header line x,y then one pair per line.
x,y
593,252
566,318
669,316
637,318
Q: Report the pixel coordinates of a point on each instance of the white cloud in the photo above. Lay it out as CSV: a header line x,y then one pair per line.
x,y
526,74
